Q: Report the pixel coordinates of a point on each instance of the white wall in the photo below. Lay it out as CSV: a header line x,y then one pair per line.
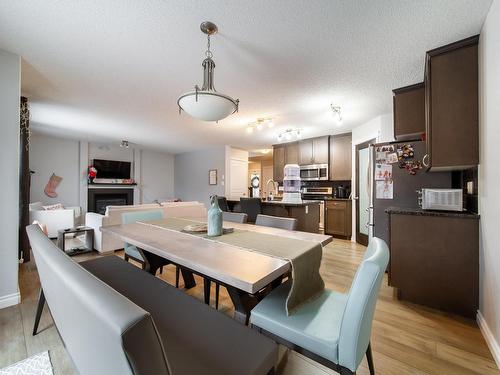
x,y
380,128
153,171
191,174
54,155
10,91
489,179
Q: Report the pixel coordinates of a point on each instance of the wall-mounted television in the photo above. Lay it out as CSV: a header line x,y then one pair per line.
x,y
112,169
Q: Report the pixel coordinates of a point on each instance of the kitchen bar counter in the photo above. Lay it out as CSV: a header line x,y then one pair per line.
x,y
421,212
281,203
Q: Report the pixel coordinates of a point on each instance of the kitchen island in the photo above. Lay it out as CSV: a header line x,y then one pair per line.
x,y
306,213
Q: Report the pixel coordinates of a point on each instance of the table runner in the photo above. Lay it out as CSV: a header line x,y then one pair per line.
x,y
304,256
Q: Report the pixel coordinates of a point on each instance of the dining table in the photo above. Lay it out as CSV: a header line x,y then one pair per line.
x,y
244,272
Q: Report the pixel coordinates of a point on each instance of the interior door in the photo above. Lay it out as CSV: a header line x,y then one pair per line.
x,y
238,179
363,192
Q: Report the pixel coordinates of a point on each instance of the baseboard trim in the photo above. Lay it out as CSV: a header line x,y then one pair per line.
x,y
10,300
488,336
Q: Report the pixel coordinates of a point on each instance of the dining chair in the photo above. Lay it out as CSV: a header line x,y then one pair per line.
x,y
276,222
252,207
235,217
137,254
222,201
335,328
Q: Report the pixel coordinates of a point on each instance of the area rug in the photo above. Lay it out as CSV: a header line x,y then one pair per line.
x,y
38,364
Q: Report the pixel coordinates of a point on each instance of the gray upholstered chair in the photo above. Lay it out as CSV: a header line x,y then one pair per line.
x,y
276,222
252,207
101,338
335,328
235,217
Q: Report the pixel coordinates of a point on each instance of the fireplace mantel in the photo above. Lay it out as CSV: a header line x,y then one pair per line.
x,y
100,197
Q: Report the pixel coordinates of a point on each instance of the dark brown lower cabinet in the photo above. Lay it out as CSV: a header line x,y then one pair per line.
x,y
338,218
435,261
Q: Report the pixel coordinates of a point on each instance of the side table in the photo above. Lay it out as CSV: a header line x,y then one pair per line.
x,y
89,240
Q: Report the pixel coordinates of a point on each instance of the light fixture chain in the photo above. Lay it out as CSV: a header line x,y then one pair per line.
x,y
208,53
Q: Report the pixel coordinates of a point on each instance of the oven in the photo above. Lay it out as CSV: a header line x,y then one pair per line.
x,y
314,172
318,194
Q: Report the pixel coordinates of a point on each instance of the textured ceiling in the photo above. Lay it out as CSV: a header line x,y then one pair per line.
x,y
113,69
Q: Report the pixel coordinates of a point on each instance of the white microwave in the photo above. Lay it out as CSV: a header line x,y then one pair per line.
x,y
314,172
442,199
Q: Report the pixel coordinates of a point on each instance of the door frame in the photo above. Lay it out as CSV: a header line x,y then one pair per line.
x,y
361,238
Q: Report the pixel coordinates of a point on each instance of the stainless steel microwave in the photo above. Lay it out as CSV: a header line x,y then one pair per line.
x,y
314,172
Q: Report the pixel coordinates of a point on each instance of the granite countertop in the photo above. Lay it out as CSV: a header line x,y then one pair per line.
x,y
421,212
280,203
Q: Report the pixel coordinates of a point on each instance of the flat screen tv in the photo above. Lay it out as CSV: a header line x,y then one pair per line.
x,y
112,169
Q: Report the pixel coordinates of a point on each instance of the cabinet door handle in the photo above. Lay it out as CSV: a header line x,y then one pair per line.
x,y
425,160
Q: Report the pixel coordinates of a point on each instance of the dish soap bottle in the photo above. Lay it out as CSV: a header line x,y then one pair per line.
x,y
214,222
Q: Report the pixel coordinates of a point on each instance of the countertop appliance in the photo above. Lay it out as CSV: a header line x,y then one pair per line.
x,y
318,194
314,172
342,192
404,187
291,184
442,199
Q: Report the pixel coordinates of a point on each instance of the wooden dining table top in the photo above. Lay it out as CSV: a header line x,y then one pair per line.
x,y
241,268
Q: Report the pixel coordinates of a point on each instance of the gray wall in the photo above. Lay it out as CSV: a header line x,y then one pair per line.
x,y
10,91
191,174
157,176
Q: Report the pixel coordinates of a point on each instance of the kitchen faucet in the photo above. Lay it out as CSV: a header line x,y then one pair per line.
x,y
275,189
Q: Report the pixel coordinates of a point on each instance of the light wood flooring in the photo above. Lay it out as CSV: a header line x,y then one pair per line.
x,y
406,338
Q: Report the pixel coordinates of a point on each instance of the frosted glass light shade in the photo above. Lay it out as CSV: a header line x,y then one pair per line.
x,y
207,105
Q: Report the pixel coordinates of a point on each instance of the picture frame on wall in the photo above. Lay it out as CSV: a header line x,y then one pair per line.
x,y
212,177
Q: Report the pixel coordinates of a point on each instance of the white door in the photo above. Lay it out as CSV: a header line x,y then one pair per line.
x,y
238,179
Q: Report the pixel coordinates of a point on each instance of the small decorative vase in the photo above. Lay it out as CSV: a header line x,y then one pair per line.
x,y
214,223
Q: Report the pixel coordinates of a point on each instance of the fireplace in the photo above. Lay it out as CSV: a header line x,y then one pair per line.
x,y
100,198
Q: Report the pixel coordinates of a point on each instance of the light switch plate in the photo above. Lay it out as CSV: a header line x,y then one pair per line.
x,y
470,187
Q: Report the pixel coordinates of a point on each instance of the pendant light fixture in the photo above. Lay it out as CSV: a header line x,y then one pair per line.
x,y
206,103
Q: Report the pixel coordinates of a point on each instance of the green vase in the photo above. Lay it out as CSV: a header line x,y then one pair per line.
x,y
214,222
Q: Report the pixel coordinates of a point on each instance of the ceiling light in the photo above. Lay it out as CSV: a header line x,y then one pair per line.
x,y
337,113
249,130
270,123
289,135
124,144
206,103
259,124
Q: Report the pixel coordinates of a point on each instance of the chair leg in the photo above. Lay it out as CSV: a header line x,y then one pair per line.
x,y
39,309
369,358
177,275
161,270
126,258
217,287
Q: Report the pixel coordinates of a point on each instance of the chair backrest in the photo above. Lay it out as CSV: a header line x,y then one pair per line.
x,y
252,207
134,216
235,217
223,203
276,222
356,326
103,331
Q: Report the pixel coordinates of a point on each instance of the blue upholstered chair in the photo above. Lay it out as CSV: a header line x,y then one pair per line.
x,y
139,255
335,328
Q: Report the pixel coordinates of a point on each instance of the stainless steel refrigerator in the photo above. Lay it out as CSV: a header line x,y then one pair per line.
x,y
404,187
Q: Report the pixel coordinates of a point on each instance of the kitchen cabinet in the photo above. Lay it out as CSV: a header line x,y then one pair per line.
x,y
338,217
409,112
292,153
278,162
451,105
341,157
314,151
435,260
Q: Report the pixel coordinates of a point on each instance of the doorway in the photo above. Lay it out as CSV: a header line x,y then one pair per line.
x,y
363,191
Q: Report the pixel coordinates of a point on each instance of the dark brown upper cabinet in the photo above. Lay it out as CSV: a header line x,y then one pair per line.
x,y
409,112
278,162
314,151
292,153
341,157
451,106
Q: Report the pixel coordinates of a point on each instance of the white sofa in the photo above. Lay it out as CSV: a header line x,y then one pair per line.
x,y
105,243
54,219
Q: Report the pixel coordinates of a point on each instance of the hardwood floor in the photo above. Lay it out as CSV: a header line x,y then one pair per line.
x,y
406,338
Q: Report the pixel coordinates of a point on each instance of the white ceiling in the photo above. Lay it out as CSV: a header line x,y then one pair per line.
x,y
112,70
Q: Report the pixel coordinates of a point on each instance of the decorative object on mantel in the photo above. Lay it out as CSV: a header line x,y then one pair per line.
x,y
50,188
92,174
212,177
206,103
214,222
289,135
337,113
259,124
